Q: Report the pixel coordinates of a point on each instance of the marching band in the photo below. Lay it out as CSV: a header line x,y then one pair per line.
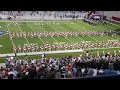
x,y
53,47
14,35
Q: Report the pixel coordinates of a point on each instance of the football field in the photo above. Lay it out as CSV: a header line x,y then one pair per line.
x,y
52,26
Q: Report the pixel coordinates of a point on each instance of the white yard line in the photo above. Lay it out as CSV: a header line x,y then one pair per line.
x,y
64,36
68,30
51,36
88,35
94,29
91,27
111,29
93,38
75,29
9,33
34,31
104,35
22,32
115,24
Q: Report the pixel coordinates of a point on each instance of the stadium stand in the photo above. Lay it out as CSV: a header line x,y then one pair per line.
x,y
62,68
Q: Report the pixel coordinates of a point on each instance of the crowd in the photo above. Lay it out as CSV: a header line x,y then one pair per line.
x,y
64,46
61,68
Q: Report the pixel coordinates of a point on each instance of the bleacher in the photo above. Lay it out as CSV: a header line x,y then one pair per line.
x,y
45,15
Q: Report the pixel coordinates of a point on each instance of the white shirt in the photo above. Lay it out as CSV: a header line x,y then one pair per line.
x,y
83,69
118,72
95,72
43,54
79,58
11,72
103,57
73,60
26,73
32,61
100,71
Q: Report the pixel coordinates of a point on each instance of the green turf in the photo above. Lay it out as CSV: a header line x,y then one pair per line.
x,y
70,25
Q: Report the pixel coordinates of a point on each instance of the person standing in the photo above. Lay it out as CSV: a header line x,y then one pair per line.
x,y
43,55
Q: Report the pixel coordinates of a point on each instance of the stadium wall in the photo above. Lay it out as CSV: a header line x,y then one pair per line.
x,y
37,17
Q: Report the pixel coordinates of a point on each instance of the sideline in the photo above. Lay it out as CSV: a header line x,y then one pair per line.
x,y
38,53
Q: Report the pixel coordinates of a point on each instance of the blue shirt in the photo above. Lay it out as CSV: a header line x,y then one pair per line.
x,y
6,62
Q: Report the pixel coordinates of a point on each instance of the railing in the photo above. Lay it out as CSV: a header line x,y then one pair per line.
x,y
114,76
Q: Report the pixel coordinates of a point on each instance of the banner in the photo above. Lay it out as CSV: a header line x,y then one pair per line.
x,y
116,19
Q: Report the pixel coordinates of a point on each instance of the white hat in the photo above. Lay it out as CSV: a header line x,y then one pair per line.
x,y
11,58
26,73
69,72
43,65
32,61
53,64
50,65
61,67
70,64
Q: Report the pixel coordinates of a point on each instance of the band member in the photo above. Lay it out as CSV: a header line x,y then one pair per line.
x,y
14,48
19,48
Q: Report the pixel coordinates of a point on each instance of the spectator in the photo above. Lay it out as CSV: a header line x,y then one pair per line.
x,y
11,76
61,68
